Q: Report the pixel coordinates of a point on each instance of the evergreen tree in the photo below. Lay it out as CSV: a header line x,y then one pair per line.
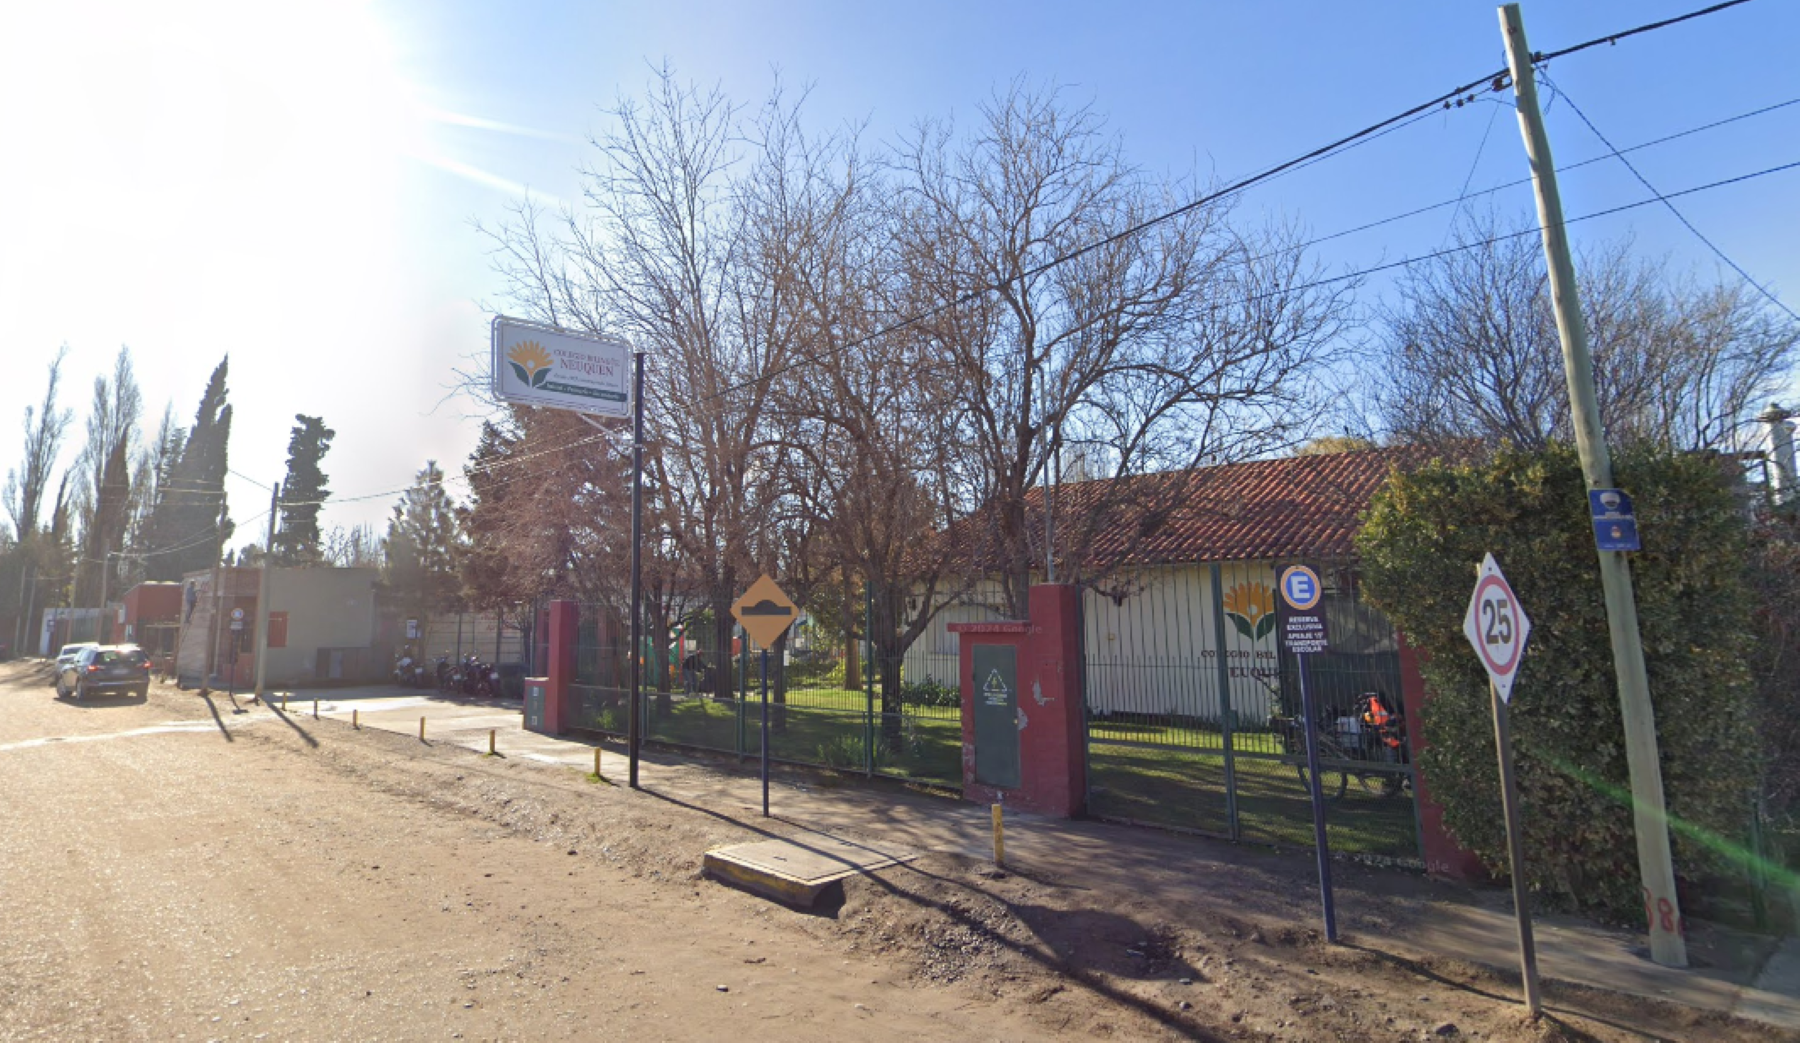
x,y
303,493
191,521
422,546
150,475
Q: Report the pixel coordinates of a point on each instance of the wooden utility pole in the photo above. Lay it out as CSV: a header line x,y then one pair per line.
x,y
1649,813
262,599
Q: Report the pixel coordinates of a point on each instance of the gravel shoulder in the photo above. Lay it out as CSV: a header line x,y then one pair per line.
x,y
186,868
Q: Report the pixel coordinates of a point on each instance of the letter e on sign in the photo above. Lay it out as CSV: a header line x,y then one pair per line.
x,y
1496,626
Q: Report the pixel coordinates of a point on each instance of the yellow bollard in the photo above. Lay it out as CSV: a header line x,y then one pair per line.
x,y
999,838
284,702
421,729
491,741
597,774
356,719
315,709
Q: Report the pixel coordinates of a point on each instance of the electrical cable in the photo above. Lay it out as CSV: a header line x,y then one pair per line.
x,y
1494,81
252,481
1468,178
1665,139
1540,57
1535,230
1679,216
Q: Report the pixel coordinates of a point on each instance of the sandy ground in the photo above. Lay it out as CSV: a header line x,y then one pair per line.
x,y
187,868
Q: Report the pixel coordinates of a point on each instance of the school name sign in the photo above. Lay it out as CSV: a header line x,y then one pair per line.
x,y
539,365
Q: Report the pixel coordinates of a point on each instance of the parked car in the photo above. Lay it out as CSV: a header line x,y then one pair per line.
x,y
67,656
105,668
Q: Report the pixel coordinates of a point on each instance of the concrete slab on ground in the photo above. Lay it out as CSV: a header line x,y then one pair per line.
x,y
799,870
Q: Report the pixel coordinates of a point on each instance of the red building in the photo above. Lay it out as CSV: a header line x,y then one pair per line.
x,y
149,615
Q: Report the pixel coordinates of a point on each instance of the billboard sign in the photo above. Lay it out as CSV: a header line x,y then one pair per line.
x,y
538,365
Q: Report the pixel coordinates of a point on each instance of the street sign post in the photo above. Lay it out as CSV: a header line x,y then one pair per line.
x,y
1497,626
538,365
1303,633
765,613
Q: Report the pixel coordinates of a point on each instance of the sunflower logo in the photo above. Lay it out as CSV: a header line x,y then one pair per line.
x,y
530,362
1251,608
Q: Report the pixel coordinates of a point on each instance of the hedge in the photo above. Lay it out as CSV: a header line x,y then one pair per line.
x,y
1424,535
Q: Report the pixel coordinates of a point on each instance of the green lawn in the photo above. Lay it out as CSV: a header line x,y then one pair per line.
x,y
1185,788
1169,775
819,726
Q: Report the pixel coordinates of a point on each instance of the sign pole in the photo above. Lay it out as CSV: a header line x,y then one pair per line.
x,y
634,722
765,613
1321,843
765,730
1515,851
1303,632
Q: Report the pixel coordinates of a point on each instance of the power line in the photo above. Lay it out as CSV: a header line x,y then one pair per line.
x,y
1474,164
1417,211
1665,139
252,481
1664,200
1540,57
1494,81
1405,262
1268,174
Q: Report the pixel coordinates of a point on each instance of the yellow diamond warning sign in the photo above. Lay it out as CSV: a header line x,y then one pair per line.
x,y
765,611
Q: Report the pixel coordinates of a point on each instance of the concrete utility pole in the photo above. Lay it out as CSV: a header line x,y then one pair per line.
x,y
1649,814
262,599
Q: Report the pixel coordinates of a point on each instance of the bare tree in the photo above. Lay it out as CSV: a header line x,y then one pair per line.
x,y
33,552
104,503
1065,316
1470,349
680,249
45,426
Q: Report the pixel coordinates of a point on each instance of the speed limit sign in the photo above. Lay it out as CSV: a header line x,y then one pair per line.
x,y
1497,626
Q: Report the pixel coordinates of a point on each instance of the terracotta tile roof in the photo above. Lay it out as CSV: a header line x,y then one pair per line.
x,y
1298,507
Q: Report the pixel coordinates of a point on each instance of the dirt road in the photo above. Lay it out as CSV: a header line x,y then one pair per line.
x,y
191,868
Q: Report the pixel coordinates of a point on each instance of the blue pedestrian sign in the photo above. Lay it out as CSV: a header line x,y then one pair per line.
x,y
1615,525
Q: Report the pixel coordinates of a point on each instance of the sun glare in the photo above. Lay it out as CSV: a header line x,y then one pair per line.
x,y
203,129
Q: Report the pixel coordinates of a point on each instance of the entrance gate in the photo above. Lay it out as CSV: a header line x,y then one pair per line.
x,y
1193,718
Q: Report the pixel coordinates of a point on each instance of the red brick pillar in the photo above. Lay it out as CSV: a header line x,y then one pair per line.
x,y
1443,855
1046,704
560,672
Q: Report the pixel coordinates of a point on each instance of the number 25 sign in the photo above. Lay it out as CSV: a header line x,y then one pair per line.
x,y
1497,626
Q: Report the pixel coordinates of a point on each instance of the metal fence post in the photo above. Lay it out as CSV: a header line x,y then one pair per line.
x,y
1226,729
868,685
743,685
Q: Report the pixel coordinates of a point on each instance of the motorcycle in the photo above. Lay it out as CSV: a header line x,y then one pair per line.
x,y
1373,733
403,671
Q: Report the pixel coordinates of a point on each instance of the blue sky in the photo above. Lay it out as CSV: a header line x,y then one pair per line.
x,y
298,187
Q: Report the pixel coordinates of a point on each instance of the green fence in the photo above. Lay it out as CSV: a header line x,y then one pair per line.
x,y
824,710
1194,713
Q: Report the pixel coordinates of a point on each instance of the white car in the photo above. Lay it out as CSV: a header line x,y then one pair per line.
x,y
67,656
